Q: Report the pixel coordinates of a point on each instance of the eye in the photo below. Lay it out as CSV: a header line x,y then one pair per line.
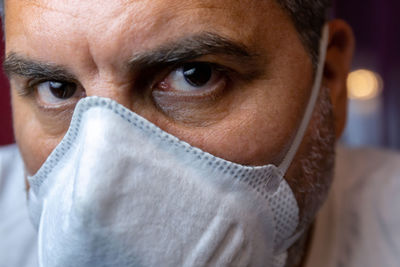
x,y
56,92
192,77
197,74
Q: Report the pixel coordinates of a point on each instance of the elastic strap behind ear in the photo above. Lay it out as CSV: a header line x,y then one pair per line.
x,y
283,167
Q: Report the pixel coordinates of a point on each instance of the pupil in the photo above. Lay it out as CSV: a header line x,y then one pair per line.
x,y
197,74
62,90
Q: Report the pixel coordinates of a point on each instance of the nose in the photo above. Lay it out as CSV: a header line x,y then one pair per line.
x,y
119,91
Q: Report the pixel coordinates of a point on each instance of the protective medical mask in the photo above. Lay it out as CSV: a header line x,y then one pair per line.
x,y
119,191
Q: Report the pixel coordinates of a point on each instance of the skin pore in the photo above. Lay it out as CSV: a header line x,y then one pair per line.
x,y
135,53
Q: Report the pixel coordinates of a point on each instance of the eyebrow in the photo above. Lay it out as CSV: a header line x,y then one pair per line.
x,y
189,48
181,50
15,64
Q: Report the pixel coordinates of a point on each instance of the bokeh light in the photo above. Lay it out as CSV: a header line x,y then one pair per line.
x,y
364,84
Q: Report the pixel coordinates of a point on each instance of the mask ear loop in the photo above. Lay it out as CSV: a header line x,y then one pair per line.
x,y
284,166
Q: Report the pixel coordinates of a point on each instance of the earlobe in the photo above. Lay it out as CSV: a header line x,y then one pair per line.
x,y
337,66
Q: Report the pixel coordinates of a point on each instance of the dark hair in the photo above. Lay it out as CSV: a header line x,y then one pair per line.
x,y
308,17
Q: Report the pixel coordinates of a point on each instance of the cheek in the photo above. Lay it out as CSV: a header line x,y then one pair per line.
x,y
312,170
34,142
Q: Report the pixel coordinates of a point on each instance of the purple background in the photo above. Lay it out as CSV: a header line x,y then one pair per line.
x,y
376,26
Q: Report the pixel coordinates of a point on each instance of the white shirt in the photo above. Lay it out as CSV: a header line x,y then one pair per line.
x,y
359,225
17,235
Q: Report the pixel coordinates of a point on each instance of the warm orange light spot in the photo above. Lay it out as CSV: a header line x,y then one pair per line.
x,y
364,84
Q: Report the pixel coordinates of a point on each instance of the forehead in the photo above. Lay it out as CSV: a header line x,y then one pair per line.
x,y
39,24
92,10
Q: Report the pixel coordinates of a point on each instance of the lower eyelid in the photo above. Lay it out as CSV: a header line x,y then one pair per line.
x,y
62,105
55,108
200,95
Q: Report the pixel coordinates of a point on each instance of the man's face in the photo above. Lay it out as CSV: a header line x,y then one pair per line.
x,y
243,101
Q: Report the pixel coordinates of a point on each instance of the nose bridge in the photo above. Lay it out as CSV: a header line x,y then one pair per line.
x,y
109,86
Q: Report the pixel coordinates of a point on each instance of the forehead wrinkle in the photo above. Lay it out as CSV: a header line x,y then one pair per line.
x,y
99,63
41,5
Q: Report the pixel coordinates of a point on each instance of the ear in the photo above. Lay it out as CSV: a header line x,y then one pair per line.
x,y
337,66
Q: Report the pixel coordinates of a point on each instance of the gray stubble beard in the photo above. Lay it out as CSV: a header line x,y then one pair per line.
x,y
313,173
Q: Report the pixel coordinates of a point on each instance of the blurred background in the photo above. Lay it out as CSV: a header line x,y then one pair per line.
x,y
374,83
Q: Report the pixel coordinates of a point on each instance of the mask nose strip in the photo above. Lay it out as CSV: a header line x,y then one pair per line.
x,y
220,244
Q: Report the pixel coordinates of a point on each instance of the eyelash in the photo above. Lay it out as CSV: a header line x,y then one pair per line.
x,y
157,75
29,88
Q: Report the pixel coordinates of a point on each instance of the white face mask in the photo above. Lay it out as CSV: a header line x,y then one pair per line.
x,y
119,191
